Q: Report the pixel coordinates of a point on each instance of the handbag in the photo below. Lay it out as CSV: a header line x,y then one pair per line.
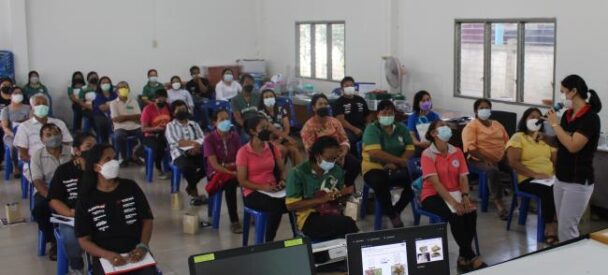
x,y
275,170
330,208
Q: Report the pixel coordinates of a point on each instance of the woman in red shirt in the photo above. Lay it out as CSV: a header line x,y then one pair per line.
x,y
154,119
445,192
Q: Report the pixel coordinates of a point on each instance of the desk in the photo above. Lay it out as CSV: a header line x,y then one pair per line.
x,y
585,256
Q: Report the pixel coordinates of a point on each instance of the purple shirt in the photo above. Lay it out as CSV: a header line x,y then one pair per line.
x,y
223,150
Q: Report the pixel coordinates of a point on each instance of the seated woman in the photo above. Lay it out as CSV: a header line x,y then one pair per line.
x,y
101,108
485,140
63,194
102,225
278,117
11,116
532,158
260,171
34,86
177,92
227,88
445,192
322,124
387,146
220,150
154,119
185,139
421,118
315,182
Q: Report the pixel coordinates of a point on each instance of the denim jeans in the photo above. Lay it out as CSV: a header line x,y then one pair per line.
x,y
71,246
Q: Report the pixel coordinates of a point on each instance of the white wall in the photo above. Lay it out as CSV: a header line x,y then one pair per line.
x,y
115,38
4,24
426,42
367,35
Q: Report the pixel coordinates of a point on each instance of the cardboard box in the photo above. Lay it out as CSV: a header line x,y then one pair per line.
x,y
13,212
191,223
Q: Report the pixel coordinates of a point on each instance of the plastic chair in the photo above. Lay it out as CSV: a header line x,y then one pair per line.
x,y
260,225
212,106
176,178
378,212
24,183
214,208
130,141
62,256
523,209
8,161
149,163
287,102
482,180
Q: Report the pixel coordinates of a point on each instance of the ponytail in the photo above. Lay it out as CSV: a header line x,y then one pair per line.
x,y
594,101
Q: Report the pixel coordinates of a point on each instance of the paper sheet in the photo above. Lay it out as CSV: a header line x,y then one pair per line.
x,y
457,195
278,194
62,220
110,269
548,182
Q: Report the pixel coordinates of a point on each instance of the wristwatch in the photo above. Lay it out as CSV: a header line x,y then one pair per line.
x,y
143,247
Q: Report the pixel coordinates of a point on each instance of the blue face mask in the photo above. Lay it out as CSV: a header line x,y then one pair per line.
x,y
224,125
326,165
484,114
444,133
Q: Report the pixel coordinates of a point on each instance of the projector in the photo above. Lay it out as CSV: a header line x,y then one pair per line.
x,y
329,252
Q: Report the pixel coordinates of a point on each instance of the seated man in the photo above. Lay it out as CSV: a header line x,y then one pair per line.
x,y
185,139
199,87
485,141
245,105
63,194
27,139
352,112
44,162
125,115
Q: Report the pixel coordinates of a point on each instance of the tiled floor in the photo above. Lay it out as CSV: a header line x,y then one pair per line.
x,y
172,248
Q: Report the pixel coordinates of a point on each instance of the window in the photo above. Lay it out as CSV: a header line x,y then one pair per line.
x,y
505,60
320,50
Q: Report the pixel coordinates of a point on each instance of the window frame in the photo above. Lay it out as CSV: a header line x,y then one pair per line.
x,y
487,56
313,49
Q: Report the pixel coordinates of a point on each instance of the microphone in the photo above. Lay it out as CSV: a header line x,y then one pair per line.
x,y
556,107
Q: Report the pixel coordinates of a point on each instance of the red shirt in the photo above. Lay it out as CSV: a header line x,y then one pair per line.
x,y
260,166
153,117
448,168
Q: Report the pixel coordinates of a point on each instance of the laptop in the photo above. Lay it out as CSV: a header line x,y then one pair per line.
x,y
403,251
277,258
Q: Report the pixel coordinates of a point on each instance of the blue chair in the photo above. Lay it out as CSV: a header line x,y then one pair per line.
x,y
482,180
523,209
62,256
130,141
176,178
214,208
149,163
24,183
41,244
8,161
212,106
260,225
286,102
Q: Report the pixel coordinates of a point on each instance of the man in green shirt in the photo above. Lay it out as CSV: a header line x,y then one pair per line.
x,y
149,93
315,183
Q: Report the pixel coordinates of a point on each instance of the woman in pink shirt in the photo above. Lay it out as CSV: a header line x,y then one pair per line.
x,y
260,172
445,192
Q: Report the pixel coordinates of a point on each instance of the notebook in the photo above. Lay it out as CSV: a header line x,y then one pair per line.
x,y
110,269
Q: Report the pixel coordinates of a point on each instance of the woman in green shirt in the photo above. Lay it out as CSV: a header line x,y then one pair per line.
x,y
76,95
34,86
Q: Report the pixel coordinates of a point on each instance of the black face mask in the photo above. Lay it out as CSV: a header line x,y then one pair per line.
x,y
264,135
6,90
182,115
93,81
78,82
323,112
160,104
248,88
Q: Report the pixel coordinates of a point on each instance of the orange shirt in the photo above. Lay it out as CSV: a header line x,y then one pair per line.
x,y
313,129
448,169
490,141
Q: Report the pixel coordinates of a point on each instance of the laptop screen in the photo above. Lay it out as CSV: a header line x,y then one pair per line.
x,y
277,258
403,251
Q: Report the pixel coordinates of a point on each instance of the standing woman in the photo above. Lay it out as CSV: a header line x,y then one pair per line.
x,y
76,95
113,216
577,138
34,86
101,108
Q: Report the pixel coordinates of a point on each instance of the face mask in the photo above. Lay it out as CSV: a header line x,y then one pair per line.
x,y
123,92
78,82
6,89
484,114
386,120
567,102
426,106
106,87
269,102
323,112
109,170
326,165
41,110
248,88
444,133
17,98
176,85
34,80
349,90
160,104
153,79
182,115
224,126
532,124
228,77
93,81
264,135
53,141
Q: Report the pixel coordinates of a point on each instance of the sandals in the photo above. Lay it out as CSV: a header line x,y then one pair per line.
x,y
551,240
503,215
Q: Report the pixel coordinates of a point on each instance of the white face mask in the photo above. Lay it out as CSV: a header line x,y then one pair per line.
x,y
176,85
17,98
567,102
533,124
228,77
484,114
349,90
153,79
109,170
269,102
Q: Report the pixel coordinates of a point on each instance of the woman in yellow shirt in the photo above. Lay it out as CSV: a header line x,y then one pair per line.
x,y
532,158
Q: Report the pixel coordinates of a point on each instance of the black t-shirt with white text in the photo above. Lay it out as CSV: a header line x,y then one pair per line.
x,y
354,110
64,185
113,219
